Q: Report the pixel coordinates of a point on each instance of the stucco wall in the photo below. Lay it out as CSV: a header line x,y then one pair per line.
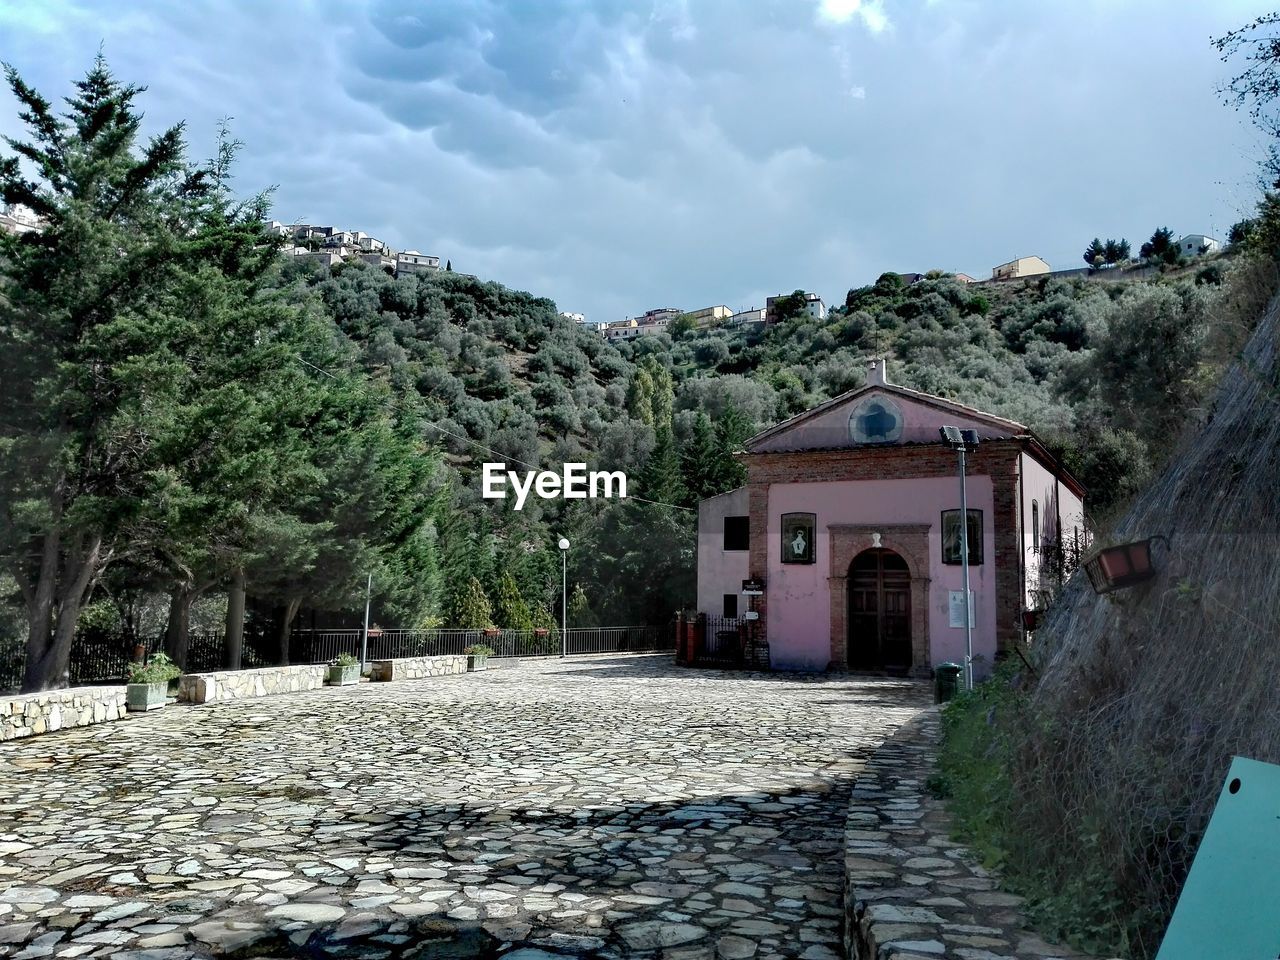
x,y
799,607
1056,502
720,571
920,423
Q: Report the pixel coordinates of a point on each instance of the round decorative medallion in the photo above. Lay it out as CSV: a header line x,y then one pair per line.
x,y
877,419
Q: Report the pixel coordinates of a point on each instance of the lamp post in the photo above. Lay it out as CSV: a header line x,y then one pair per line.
x,y
364,636
564,596
960,441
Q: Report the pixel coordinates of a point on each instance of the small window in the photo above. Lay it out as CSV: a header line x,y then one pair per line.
x,y
951,537
737,533
731,606
1035,526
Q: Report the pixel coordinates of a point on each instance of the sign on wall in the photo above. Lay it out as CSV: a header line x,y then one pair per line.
x,y
798,533
955,609
877,419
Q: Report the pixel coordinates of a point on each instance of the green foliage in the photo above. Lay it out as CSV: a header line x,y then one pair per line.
x,y
973,775
345,659
580,612
159,669
509,608
1161,247
481,650
469,607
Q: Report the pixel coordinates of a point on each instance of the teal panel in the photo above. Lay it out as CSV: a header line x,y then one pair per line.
x,y
1230,905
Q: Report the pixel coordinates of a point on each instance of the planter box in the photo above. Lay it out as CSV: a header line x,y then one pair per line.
x,y
475,663
344,676
140,697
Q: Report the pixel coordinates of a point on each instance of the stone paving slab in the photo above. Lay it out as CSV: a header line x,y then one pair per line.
x,y
911,891
597,807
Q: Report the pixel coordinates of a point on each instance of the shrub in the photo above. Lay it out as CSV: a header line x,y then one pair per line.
x,y
159,669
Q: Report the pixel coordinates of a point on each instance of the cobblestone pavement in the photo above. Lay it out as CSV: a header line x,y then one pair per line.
x,y
617,807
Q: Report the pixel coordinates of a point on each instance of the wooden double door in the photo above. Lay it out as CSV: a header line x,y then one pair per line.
x,y
879,591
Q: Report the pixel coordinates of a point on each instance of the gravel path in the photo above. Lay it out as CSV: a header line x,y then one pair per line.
x,y
607,807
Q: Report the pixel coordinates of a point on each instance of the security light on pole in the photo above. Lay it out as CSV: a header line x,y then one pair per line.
x,y
564,596
961,440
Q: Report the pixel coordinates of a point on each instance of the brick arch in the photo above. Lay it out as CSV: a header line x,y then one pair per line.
x,y
911,542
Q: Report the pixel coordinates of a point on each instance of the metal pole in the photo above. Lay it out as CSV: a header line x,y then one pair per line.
x,y
364,638
564,602
964,566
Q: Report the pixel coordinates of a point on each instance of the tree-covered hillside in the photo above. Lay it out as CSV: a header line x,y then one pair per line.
x,y
216,428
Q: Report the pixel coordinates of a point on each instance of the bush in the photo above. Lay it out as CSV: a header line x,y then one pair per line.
x,y
159,669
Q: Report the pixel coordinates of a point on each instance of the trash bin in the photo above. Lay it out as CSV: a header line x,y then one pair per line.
x,y
946,681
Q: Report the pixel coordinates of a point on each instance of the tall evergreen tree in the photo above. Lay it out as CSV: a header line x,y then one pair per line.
x,y
509,609
660,480
101,338
698,460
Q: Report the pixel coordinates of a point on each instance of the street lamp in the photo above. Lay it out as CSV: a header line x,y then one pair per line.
x,y
961,440
564,596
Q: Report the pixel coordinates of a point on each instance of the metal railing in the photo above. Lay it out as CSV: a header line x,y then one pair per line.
x,y
721,641
321,646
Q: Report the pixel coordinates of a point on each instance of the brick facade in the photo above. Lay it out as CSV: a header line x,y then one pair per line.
x,y
997,459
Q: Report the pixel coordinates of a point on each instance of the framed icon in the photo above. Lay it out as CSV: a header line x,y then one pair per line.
x,y
798,533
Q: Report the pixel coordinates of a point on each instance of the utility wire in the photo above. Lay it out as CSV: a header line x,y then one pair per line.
x,y
505,457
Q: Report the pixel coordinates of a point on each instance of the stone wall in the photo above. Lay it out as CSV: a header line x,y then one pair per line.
x,y
243,684
25,715
417,668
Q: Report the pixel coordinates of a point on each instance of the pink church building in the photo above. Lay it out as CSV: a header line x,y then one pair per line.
x,y
850,520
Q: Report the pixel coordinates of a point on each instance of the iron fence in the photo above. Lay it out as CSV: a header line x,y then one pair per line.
x,y
321,646
721,641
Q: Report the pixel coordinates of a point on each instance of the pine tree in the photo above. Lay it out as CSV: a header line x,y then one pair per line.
x,y
509,608
699,465
153,394
732,430
469,607
640,396
660,480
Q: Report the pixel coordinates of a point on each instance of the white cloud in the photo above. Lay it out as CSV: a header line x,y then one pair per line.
x,y
870,12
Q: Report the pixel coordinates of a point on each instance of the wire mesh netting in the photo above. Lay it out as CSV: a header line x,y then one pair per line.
x,y
1144,695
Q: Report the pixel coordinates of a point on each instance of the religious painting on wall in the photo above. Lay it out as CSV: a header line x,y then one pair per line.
x,y
951,537
877,419
798,534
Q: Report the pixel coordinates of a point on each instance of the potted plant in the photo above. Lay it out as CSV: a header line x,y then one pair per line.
x,y
344,670
477,654
148,687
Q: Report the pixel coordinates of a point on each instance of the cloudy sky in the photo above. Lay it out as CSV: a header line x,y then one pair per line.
x,y
617,156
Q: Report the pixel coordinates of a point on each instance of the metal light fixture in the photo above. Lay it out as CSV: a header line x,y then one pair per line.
x,y
564,595
961,440
1122,566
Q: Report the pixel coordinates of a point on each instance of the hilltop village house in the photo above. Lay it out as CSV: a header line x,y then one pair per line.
x,y
850,517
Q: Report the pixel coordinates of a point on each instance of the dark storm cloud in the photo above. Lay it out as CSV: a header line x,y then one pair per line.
x,y
618,156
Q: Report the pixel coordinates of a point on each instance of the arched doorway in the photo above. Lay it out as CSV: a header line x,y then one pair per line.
x,y
879,597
